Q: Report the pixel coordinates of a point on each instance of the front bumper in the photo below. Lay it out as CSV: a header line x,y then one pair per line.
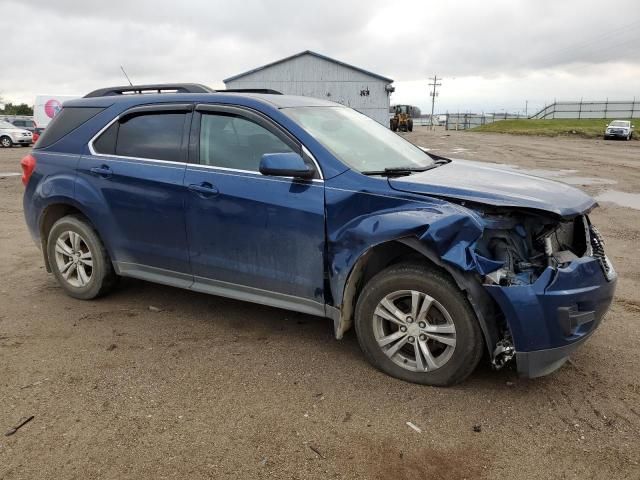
x,y
616,134
552,317
20,140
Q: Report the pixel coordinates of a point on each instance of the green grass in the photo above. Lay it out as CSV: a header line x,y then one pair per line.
x,y
586,128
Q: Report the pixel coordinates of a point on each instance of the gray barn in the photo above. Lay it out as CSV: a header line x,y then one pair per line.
x,y
313,75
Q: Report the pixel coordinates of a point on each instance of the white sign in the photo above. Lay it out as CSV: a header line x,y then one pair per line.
x,y
47,106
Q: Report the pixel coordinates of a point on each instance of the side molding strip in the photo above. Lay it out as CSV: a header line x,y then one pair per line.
x,y
220,288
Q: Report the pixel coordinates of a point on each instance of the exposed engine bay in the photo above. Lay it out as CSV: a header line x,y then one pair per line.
x,y
527,243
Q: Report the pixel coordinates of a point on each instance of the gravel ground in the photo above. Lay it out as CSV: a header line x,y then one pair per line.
x,y
213,388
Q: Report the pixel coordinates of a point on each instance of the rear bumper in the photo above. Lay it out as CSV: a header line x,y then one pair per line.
x,y
552,317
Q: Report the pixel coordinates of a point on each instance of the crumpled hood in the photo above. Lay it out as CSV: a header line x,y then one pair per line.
x,y
478,182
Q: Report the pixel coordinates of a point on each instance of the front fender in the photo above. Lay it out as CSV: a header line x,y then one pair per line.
x,y
444,233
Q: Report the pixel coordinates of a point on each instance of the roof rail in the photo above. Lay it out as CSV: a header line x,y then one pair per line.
x,y
250,90
155,88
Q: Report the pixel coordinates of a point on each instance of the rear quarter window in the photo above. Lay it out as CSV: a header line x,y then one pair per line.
x,y
64,123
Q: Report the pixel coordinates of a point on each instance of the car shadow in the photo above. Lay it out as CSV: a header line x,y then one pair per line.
x,y
255,322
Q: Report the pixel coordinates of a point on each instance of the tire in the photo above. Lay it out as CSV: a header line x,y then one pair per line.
x,y
6,142
89,272
410,127
449,316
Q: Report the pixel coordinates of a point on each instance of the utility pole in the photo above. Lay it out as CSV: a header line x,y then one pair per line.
x,y
526,109
434,93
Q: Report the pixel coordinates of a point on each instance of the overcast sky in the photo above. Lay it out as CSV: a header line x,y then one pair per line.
x,y
492,54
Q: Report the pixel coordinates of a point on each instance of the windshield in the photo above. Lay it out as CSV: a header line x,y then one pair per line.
x,y
4,124
357,140
619,123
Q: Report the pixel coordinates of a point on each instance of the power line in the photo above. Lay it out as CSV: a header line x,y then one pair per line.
x,y
434,93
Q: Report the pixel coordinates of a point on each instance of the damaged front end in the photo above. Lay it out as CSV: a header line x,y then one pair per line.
x,y
552,281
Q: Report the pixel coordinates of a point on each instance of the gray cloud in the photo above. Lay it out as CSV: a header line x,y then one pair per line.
x,y
74,46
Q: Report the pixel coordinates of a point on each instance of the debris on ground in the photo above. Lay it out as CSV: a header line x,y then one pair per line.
x,y
477,428
154,309
23,421
34,384
316,451
111,347
414,427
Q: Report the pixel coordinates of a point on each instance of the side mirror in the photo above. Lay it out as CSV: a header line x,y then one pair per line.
x,y
285,165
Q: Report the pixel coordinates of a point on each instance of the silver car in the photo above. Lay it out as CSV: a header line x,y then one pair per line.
x,y
11,135
619,129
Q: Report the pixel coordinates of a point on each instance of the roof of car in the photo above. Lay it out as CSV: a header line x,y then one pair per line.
x,y
278,101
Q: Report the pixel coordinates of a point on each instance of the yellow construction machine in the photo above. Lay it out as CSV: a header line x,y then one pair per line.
x,y
401,119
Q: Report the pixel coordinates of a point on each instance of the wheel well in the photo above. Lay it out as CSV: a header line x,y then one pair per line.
x,y
368,265
51,215
409,249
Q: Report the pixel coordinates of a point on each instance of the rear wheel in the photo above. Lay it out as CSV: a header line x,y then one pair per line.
x,y
5,142
410,127
78,259
415,324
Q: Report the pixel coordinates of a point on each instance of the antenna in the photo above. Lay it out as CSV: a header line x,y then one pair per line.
x,y
125,74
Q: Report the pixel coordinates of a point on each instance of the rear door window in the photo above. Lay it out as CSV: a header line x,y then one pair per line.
x,y
155,136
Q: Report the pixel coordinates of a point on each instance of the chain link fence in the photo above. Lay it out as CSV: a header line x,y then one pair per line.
x,y
465,121
592,109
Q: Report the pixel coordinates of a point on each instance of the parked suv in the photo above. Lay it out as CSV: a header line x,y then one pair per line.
x,y
307,205
619,129
11,135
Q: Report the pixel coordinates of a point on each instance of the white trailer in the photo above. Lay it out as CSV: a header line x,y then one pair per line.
x,y
47,106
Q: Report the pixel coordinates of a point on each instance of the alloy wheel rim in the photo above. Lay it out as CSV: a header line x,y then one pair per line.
x,y
5,142
74,259
414,330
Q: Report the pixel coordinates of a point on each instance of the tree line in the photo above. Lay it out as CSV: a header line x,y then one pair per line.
x,y
17,109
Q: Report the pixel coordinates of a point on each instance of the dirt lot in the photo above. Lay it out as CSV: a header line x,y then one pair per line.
x,y
214,388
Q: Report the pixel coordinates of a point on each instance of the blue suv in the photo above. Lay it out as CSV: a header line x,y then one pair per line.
x,y
310,206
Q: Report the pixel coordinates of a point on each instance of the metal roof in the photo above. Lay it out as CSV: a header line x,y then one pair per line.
x,y
308,52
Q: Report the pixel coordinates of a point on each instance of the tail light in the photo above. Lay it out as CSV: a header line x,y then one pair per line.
x,y
28,165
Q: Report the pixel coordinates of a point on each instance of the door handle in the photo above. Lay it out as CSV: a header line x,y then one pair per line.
x,y
204,189
103,171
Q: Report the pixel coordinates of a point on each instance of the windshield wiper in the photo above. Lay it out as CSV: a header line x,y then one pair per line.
x,y
403,171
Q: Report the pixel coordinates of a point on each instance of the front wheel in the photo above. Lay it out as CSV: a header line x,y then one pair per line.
x,y
415,324
78,258
5,142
